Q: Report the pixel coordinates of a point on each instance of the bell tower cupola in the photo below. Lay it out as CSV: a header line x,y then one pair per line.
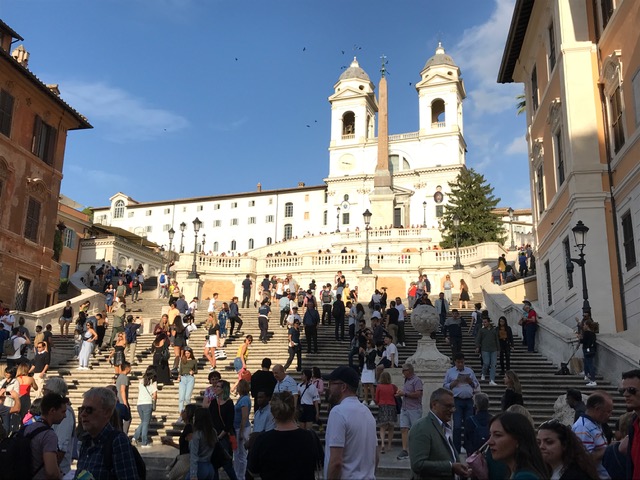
x,y
440,95
353,107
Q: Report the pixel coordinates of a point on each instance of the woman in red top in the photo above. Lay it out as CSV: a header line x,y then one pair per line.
x,y
387,413
26,383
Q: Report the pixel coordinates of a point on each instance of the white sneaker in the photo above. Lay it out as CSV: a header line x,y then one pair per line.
x,y
372,403
587,379
482,378
493,384
403,344
592,384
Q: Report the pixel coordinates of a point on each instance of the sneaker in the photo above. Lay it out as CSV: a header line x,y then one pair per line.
x,y
482,378
211,369
134,442
372,403
403,344
592,384
403,455
587,379
493,384
147,445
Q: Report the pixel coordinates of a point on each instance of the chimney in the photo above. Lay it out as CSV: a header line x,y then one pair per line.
x,y
21,56
300,184
54,89
259,187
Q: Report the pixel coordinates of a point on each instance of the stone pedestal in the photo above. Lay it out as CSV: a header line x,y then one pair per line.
x,y
366,288
191,287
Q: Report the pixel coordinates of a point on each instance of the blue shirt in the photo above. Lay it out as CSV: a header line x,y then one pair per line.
x,y
243,401
263,420
462,389
92,458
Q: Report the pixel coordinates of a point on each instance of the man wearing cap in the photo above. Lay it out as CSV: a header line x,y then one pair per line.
x,y
295,348
350,440
529,324
293,316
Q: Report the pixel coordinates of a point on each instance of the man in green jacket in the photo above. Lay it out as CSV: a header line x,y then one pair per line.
x,y
431,451
488,345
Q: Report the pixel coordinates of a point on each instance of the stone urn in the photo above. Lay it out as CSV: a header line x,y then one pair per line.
x,y
425,319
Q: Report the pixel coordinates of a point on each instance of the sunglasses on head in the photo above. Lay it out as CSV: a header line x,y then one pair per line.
x,y
629,390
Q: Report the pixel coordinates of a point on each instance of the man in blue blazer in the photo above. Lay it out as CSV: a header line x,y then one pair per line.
x,y
431,451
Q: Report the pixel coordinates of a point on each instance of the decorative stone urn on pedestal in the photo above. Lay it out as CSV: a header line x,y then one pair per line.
x,y
425,320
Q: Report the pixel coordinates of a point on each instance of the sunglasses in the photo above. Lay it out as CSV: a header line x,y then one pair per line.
x,y
87,410
629,390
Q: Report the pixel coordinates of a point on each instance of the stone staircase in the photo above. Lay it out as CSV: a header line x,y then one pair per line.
x,y
540,386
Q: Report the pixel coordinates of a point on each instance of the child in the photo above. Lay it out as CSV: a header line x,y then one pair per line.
x,y
33,415
77,342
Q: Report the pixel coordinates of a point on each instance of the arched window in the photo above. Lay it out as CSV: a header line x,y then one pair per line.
x,y
118,209
233,245
250,243
269,240
437,113
288,209
348,123
288,231
215,246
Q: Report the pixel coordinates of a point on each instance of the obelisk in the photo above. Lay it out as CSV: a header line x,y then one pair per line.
x,y
382,196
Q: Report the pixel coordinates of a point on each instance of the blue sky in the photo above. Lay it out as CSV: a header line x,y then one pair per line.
x,y
204,97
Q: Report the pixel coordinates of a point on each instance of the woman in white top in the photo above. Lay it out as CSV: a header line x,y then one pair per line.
x,y
309,401
147,395
447,286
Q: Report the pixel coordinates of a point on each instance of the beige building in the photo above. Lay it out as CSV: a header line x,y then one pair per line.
x,y
580,66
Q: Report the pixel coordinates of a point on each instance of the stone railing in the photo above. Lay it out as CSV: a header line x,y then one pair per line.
x,y
403,136
558,341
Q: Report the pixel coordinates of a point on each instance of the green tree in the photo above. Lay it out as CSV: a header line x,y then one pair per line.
x,y
472,201
522,104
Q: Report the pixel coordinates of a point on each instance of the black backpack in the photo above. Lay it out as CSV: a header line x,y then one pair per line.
x,y
107,455
15,454
326,296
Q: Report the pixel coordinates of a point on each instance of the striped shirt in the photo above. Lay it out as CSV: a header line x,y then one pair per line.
x,y
590,434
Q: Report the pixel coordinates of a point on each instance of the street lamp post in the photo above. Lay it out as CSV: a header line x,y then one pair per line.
x,y
338,220
580,237
183,226
456,224
196,228
367,221
424,214
172,234
510,212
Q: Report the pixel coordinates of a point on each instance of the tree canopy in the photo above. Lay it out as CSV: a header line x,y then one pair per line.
x,y
472,201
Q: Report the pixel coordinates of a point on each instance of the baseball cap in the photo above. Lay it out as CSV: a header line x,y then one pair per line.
x,y
527,302
347,375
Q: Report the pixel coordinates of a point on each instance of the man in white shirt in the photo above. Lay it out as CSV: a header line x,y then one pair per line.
x,y
8,319
401,308
284,383
351,443
19,340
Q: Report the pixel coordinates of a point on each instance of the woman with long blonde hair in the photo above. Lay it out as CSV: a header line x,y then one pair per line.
x,y
464,294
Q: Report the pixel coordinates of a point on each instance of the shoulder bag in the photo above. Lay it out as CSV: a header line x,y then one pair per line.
x,y
478,463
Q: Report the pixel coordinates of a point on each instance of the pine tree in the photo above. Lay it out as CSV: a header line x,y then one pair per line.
x,y
472,201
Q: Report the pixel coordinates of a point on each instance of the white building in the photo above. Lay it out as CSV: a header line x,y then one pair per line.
x,y
421,165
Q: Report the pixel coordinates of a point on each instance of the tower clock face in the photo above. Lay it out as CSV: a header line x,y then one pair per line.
x,y
344,206
346,162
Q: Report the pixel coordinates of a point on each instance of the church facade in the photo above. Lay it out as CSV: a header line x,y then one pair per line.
x,y
402,179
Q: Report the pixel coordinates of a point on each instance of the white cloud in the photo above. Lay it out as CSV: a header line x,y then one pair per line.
x,y
92,177
229,126
479,54
518,146
118,115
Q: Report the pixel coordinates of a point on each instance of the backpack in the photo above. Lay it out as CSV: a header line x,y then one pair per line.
x,y
107,455
480,434
326,296
9,347
15,455
163,278
134,282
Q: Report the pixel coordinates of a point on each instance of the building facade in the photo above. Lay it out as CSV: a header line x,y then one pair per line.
x,y
34,122
420,166
74,226
580,65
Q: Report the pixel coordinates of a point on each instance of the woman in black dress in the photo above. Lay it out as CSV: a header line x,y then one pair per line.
x,y
161,354
222,413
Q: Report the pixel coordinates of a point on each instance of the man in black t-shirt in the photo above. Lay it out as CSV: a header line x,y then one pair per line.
x,y
266,287
263,380
359,343
246,291
40,365
295,349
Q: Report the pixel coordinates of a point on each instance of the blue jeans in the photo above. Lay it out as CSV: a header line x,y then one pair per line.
x,y
205,471
464,409
142,432
489,360
185,390
589,367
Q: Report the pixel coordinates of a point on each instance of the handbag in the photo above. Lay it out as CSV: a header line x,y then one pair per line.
x,y
478,463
